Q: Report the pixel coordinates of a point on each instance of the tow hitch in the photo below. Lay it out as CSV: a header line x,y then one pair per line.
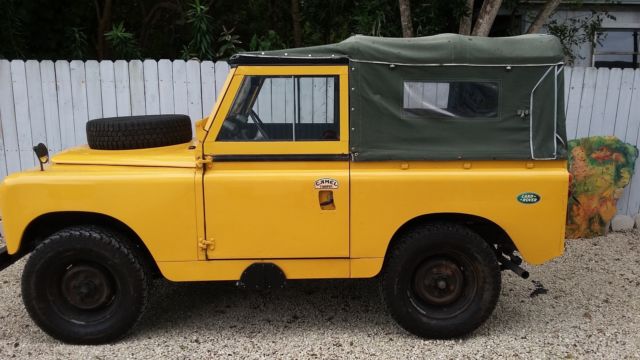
x,y
512,263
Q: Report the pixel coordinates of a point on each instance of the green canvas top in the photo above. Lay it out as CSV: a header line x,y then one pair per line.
x,y
437,49
447,96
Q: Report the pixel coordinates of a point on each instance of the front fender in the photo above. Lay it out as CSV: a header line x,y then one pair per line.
x,y
157,203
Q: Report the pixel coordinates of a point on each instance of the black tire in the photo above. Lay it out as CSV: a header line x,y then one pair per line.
x,y
85,285
441,281
138,132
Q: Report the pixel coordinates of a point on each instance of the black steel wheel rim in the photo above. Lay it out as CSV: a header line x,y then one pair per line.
x,y
443,285
87,287
82,291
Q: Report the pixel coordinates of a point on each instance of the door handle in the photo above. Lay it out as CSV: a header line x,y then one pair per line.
x,y
326,203
325,199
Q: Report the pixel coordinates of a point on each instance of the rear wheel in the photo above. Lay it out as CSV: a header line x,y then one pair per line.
x,y
441,281
84,285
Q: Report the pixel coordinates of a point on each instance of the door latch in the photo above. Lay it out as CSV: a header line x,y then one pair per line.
x,y
200,162
207,245
523,113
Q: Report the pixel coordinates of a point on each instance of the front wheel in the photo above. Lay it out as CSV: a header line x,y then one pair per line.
x,y
441,281
84,285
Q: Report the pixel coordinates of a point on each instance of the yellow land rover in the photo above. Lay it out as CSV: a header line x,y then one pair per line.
x,y
431,163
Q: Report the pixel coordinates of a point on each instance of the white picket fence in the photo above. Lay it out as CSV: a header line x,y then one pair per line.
x,y
50,102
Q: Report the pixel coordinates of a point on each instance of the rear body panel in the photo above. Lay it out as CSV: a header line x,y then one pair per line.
x,y
385,195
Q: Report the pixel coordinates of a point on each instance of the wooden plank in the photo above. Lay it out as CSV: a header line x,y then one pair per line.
x,y
21,106
8,119
633,206
36,105
180,101
290,100
123,94
573,106
306,100
79,93
65,104
136,86
194,91
208,85
319,95
165,84
599,101
50,104
264,99
631,137
624,103
221,71
94,89
567,86
151,89
278,101
442,100
430,93
108,89
586,102
331,83
611,105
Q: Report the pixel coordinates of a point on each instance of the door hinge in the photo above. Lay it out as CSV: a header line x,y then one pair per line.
x,y
200,162
207,244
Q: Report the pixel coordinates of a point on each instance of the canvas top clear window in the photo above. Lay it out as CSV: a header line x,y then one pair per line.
x,y
452,99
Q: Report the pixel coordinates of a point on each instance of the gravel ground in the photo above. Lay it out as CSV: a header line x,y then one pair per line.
x,y
585,304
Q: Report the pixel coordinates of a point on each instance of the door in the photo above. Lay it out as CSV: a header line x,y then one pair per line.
x,y
278,185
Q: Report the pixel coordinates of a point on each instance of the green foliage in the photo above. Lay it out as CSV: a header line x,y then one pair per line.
x,y
77,40
377,18
576,31
434,17
271,41
65,29
201,44
12,43
229,43
122,42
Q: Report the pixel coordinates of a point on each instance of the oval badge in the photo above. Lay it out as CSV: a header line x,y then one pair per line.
x,y
326,183
528,198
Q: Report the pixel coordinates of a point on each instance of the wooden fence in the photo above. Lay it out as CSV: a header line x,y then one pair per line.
x,y
50,102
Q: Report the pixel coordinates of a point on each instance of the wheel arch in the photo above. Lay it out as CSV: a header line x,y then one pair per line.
x,y
47,224
491,232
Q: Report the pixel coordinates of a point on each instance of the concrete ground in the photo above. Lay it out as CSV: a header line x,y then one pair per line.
x,y
585,304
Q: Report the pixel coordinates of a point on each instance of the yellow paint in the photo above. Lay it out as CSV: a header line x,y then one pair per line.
x,y
270,211
167,156
232,269
158,203
223,96
257,210
384,197
281,147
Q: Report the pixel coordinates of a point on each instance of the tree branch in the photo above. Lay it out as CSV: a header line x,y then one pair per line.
x,y
543,15
296,18
465,21
487,15
405,18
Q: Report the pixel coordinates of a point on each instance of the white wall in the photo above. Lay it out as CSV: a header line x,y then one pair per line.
x,y
51,102
627,17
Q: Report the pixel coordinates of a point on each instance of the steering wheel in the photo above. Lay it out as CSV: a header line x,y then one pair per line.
x,y
237,128
259,124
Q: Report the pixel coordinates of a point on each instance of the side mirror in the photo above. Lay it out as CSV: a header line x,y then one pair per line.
x,y
42,153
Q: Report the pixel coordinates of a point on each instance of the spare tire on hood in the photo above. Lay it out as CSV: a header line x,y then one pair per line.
x,y
138,132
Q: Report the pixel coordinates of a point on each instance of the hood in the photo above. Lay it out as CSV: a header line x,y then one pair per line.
x,y
181,155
